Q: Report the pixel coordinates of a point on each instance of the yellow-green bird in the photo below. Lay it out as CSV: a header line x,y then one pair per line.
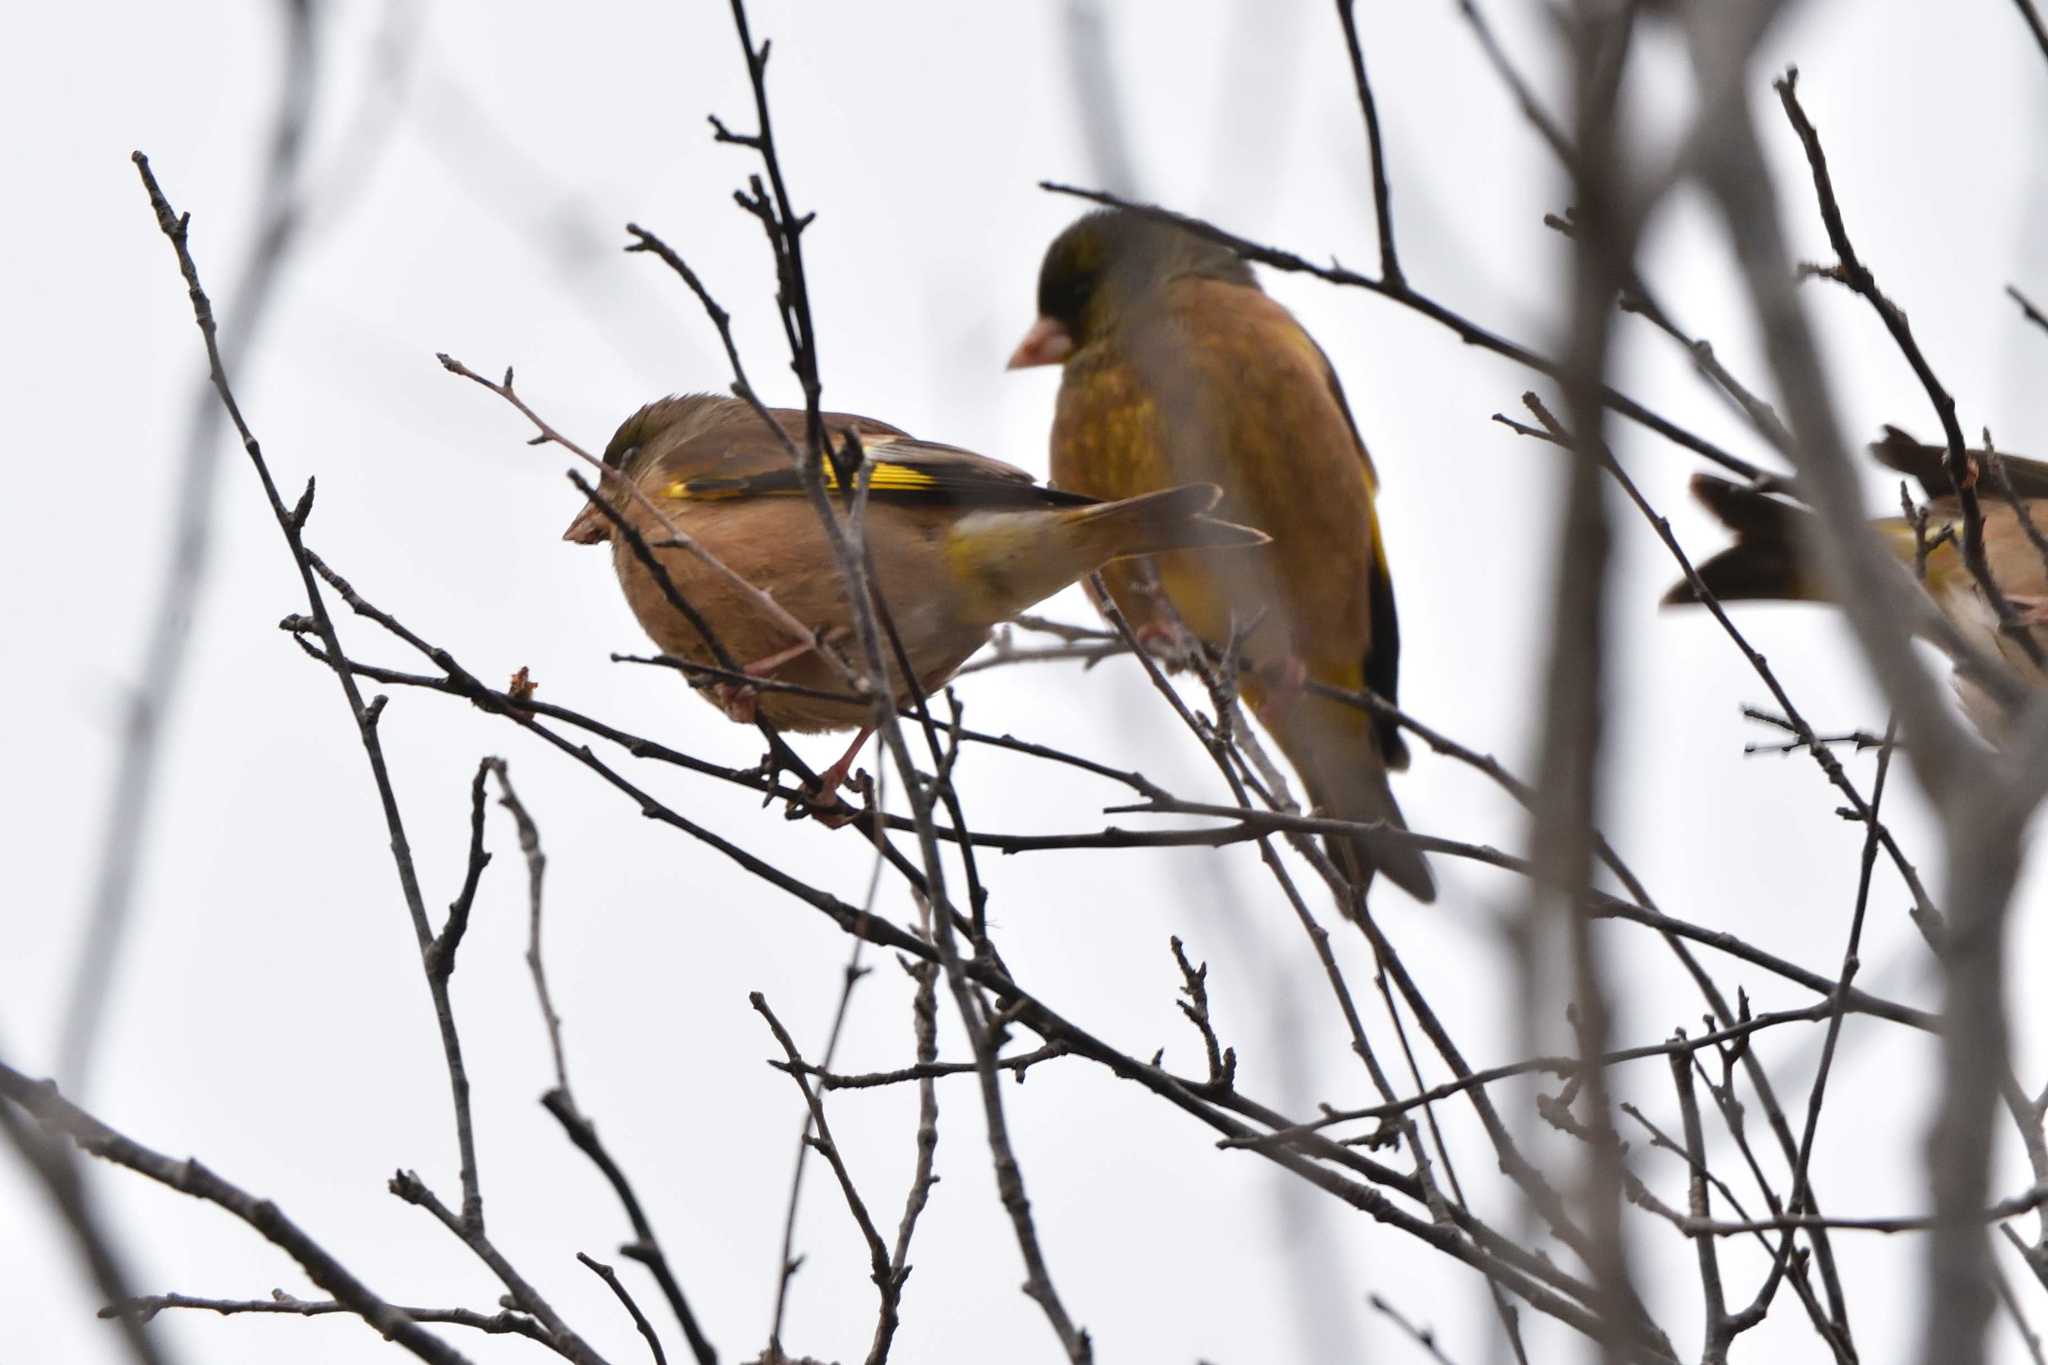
x,y
958,543
1179,368
1769,560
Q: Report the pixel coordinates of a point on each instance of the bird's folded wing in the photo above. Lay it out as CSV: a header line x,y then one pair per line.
x,y
899,468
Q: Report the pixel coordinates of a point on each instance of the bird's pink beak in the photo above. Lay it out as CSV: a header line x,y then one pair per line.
x,y
1047,343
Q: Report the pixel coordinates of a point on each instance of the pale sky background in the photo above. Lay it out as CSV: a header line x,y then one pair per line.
x,y
270,1015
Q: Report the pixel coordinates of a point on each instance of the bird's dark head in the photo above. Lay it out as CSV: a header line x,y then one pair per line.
x,y
643,438
1106,264
666,422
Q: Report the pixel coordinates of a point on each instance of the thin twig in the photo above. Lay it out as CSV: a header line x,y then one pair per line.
x,y
787,1260
2027,308
1719,1330
1421,1336
887,1283
924,1009
1850,271
536,871
2018,1204
1383,214
625,1297
504,1322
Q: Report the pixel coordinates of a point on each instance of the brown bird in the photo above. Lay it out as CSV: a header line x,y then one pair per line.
x,y
958,543
1769,560
1178,368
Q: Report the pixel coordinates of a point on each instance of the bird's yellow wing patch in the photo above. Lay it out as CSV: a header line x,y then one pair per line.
x,y
883,477
890,478
935,474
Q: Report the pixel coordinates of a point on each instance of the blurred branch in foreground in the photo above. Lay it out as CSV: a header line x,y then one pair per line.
x,y
153,697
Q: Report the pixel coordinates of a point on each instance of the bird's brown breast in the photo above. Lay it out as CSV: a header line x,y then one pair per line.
x,y
777,545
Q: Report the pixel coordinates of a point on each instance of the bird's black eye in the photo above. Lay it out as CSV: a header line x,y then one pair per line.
x,y
1064,289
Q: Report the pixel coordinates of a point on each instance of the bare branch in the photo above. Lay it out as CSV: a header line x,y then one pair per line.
x,y
645,1246
925,1014
536,871
2027,308
611,1279
57,1115
504,1322
887,1283
1390,265
787,1260
1421,1336
2018,1204
1719,1330
2032,18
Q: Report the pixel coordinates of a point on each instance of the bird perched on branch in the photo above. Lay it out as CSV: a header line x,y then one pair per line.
x,y
956,544
1770,559
1177,367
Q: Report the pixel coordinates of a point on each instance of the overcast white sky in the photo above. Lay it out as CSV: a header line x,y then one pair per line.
x,y
270,1016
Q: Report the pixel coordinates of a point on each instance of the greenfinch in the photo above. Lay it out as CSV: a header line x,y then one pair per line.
x,y
1769,560
1178,368
957,544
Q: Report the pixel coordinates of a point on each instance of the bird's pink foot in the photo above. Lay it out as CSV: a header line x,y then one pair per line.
x,y
825,804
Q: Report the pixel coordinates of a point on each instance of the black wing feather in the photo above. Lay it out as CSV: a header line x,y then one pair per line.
x,y
1383,653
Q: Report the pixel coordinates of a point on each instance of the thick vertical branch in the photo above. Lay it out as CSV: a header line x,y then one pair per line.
x,y
182,582
1091,73
1983,864
1575,679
